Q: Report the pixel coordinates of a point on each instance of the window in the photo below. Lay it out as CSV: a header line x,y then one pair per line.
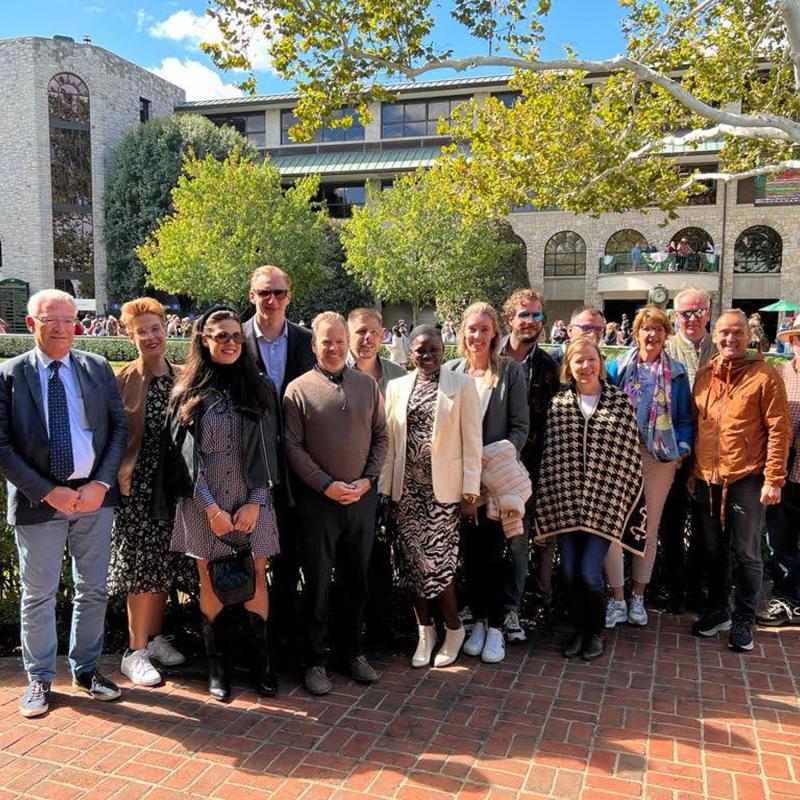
x,y
144,110
622,242
698,238
251,125
341,199
758,249
709,196
71,185
355,133
417,117
565,254
508,99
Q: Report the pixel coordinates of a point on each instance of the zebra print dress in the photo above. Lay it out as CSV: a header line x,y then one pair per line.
x,y
427,529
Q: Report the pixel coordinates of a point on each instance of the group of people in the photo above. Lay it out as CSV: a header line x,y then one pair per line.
x,y
283,446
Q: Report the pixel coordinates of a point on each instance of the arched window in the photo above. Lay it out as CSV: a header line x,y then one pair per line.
x,y
71,184
565,254
758,249
698,239
623,241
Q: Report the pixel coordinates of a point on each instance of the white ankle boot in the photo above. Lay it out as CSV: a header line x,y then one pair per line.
x,y
427,639
448,652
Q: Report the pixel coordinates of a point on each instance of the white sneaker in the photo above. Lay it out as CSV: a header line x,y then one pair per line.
x,y
448,652
477,639
513,631
427,639
137,667
636,611
616,612
494,651
161,649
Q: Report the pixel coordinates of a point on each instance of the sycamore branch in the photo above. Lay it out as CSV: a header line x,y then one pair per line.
x,y
727,177
618,64
680,20
791,18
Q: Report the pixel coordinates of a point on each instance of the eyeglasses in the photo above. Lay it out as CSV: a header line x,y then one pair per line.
x,y
648,331
590,328
52,322
693,313
223,337
278,294
537,316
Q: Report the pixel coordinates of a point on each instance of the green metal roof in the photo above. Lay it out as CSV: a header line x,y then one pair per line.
x,y
711,146
356,162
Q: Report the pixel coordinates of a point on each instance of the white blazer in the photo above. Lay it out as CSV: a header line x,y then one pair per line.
x,y
456,443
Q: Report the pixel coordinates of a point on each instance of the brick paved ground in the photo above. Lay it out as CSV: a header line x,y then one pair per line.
x,y
662,716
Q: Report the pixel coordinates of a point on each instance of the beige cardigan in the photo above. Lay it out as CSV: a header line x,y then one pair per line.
x,y
456,444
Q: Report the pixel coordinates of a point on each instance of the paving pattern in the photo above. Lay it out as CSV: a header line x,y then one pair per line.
x,y
662,716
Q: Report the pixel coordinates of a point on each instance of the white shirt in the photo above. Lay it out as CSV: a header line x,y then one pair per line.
x,y
588,403
80,432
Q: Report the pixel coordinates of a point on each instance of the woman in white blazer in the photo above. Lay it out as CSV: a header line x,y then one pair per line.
x,y
433,464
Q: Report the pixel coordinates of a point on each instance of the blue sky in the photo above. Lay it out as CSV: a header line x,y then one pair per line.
x,y
164,36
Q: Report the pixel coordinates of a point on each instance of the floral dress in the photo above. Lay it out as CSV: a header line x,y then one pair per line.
x,y
141,561
427,529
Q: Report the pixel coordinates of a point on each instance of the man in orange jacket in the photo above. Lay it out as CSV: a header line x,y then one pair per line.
x,y
742,438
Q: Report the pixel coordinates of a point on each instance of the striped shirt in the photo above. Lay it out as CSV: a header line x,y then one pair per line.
x,y
791,380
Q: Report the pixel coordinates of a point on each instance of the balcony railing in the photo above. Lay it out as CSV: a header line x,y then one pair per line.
x,y
659,262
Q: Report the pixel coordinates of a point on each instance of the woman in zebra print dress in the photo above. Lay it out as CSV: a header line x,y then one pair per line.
x,y
426,485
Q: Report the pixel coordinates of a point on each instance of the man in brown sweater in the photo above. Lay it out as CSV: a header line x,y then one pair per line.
x,y
336,443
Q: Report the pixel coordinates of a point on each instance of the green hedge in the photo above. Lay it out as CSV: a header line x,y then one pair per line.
x,y
114,348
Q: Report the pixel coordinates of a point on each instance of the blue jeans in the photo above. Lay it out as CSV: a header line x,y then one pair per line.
x,y
582,557
41,551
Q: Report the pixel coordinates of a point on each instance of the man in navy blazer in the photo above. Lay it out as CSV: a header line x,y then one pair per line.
x,y
63,434
283,351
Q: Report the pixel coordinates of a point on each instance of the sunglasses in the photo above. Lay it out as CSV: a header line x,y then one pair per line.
x,y
537,316
278,294
590,328
223,337
693,313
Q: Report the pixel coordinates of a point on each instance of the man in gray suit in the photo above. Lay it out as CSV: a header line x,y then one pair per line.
x,y
62,438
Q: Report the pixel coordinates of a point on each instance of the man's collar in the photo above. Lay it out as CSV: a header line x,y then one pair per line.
x,y
333,377
505,344
45,361
689,342
260,334
350,361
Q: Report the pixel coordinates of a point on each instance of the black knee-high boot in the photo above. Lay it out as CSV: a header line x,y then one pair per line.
x,y
219,686
577,604
264,680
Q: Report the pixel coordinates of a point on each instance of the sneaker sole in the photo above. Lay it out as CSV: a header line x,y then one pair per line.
x,y
616,622
146,684
638,623
517,636
709,632
29,713
741,648
493,660
103,698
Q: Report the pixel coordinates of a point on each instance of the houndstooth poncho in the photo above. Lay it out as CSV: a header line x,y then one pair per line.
x,y
590,477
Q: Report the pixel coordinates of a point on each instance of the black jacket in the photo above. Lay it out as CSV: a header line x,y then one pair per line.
x,y
262,450
300,357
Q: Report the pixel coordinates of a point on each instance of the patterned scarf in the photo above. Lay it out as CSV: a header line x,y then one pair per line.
x,y
651,397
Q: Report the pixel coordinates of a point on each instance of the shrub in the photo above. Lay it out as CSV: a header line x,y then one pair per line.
x,y
114,348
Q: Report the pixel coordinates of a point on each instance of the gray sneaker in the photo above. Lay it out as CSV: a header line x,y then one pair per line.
x,y
361,671
317,681
36,700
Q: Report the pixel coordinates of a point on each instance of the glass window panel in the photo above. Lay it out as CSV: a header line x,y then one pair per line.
x,y
415,112
68,98
70,167
623,241
758,250
256,123
438,108
392,131
354,133
392,112
415,129
356,195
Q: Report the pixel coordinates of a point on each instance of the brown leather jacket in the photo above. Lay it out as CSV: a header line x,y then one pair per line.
x,y
133,381
742,423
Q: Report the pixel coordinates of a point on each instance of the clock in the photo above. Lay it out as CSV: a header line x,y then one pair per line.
x,y
658,296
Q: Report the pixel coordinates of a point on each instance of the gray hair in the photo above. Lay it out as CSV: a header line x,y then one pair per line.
x,y
593,310
327,317
733,312
704,296
35,301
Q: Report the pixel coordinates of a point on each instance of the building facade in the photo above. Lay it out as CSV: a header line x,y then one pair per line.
x,y
66,106
573,259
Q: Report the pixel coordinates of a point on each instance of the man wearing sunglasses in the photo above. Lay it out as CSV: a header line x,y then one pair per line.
x,y
525,317
283,351
693,347
585,321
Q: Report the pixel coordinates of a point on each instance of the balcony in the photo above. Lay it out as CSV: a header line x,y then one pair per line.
x,y
621,278
659,262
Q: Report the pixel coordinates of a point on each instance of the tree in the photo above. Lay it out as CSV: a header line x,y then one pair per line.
x,y
230,217
407,244
146,168
337,292
574,141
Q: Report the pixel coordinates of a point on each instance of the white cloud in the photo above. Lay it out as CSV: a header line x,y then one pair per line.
x,y
192,29
197,80
142,18
94,9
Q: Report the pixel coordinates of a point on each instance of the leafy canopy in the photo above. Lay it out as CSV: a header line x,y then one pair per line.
x,y
146,168
230,217
694,71
407,244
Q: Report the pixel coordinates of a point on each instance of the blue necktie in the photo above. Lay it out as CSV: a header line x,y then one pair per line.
x,y
61,463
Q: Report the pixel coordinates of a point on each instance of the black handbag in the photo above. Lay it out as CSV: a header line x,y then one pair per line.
x,y
233,577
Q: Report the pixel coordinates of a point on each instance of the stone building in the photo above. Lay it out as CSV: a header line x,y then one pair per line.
x,y
66,106
573,259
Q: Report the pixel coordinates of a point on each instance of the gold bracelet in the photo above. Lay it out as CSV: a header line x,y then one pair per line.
x,y
219,511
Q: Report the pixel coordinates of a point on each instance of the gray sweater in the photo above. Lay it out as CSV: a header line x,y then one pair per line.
x,y
334,431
